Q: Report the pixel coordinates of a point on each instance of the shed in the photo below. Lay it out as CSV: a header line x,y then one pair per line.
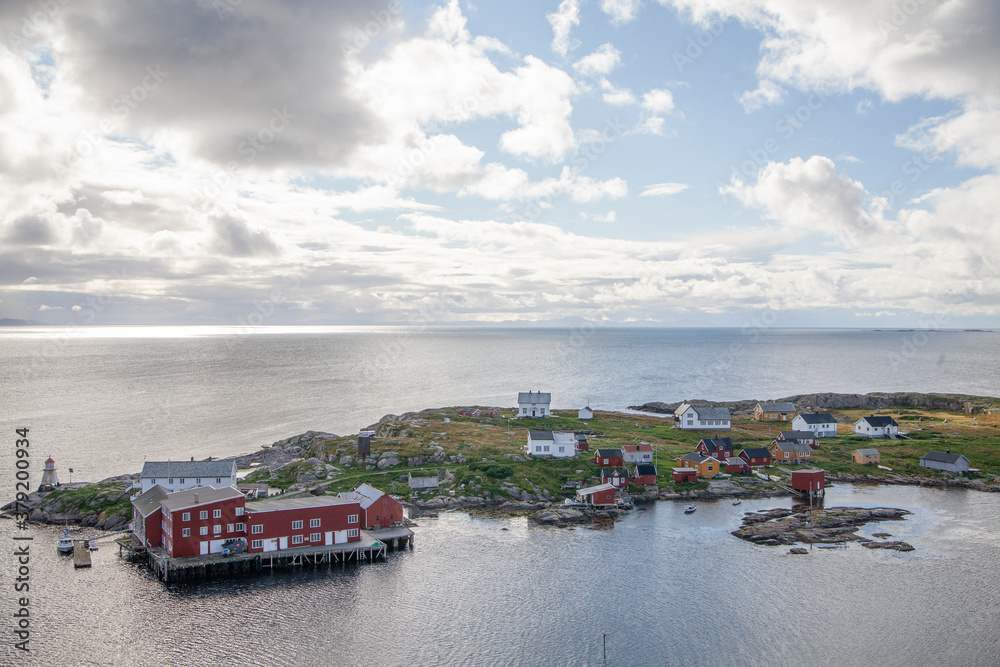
x,y
735,465
645,474
600,495
945,461
684,474
585,413
865,456
808,481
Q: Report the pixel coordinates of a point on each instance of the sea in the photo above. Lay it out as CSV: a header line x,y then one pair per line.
x,y
659,587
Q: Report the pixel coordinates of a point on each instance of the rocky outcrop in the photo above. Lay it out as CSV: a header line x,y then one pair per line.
x,y
562,516
825,526
831,401
944,481
104,505
284,451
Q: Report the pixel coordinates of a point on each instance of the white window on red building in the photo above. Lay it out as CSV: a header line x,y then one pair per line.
x,y
297,525
353,518
229,528
203,514
257,544
257,528
203,530
239,511
316,537
217,529
186,516
186,532
241,528
314,523
297,539
352,532
216,514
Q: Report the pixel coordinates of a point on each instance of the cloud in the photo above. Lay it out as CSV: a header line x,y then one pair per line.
x,y
620,11
562,21
604,59
663,189
234,237
616,96
43,308
30,230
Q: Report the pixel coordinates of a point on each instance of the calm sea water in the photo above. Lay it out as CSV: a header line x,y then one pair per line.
x,y
667,589
102,399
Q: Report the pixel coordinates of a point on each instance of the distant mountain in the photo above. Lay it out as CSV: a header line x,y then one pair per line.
x,y
12,322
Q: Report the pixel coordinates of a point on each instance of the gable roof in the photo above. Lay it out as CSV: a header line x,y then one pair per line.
x,y
879,421
365,495
609,452
866,452
149,502
611,472
796,435
206,496
299,502
712,413
645,469
735,460
534,397
642,447
192,469
793,446
818,418
756,452
594,489
716,444
695,457
943,457
777,407
539,434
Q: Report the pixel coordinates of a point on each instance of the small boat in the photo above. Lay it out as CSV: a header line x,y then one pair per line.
x,y
689,509
92,545
65,545
737,501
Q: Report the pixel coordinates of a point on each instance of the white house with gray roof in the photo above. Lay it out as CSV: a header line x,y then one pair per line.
x,y
180,475
690,417
945,461
821,424
534,404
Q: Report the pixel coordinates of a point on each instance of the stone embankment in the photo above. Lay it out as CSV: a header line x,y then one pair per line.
x,y
992,486
832,525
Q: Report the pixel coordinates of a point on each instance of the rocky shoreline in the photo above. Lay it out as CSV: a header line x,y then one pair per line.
x,y
831,525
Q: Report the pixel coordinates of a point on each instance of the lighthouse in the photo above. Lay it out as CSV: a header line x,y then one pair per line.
x,y
49,478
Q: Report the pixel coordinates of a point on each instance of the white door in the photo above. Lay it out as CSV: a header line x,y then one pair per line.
x,y
329,538
282,542
204,547
340,537
271,544
215,546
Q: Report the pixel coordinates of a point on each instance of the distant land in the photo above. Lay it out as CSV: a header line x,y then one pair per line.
x,y
13,322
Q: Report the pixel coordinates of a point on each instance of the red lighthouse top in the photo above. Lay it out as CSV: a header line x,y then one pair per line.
x,y
50,460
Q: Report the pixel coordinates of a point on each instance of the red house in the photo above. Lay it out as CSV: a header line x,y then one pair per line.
x,y
756,457
808,480
684,475
615,477
735,465
303,521
718,448
147,519
608,457
199,520
582,443
601,495
645,474
378,509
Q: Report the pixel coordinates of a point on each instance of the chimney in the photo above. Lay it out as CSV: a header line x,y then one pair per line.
x,y
947,451
192,459
196,498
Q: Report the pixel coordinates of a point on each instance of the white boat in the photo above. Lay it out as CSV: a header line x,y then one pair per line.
x,y
65,545
689,509
737,501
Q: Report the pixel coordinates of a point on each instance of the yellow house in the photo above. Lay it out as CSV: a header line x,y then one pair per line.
x,y
705,465
774,412
865,456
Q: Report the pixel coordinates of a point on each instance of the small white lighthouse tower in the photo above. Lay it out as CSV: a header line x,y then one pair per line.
x,y
49,478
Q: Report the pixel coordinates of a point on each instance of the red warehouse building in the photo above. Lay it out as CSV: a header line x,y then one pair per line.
x,y
300,522
608,458
147,519
378,509
603,494
808,480
198,521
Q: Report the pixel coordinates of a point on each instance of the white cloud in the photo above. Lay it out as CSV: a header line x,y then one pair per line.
x,y
43,308
600,62
658,101
562,21
663,189
620,11
616,96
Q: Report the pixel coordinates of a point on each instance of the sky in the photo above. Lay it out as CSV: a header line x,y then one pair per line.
x,y
620,162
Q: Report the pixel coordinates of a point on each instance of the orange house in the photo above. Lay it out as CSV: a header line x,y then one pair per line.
x,y
705,465
774,412
790,451
865,456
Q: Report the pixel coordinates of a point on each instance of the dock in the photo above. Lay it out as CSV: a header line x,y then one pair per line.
x,y
374,545
81,554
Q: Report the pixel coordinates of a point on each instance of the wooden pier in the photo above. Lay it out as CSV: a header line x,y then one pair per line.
x,y
81,554
372,546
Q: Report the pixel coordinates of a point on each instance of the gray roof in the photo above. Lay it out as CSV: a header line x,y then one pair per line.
x,y
594,489
797,435
300,502
712,413
695,457
942,457
867,452
192,469
818,418
539,434
534,397
645,469
206,495
777,407
716,444
793,446
756,452
609,453
149,502
879,421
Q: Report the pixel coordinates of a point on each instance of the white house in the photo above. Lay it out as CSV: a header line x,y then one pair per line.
x,y
641,453
945,461
550,445
876,427
690,417
585,413
822,425
534,404
180,475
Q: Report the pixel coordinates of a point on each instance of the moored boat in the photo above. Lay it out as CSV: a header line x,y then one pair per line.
x,y
737,501
689,509
65,545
